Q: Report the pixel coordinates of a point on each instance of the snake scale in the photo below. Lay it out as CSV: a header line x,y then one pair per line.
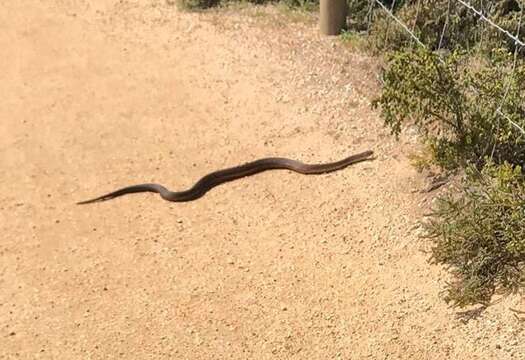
x,y
221,176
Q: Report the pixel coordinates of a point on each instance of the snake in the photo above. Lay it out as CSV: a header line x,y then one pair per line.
x,y
218,177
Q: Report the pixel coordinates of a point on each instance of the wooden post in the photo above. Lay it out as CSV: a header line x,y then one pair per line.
x,y
333,16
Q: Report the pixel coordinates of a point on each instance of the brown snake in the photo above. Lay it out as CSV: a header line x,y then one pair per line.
x,y
221,176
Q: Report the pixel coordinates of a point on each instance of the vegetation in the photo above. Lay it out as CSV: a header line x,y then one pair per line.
x,y
197,4
480,233
205,4
445,24
457,106
468,104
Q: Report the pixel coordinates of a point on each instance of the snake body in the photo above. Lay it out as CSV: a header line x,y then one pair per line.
x,y
221,176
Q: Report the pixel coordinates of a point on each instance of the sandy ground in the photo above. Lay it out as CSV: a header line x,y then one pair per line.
x,y
102,94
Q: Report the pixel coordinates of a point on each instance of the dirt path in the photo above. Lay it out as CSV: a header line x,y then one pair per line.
x,y
100,94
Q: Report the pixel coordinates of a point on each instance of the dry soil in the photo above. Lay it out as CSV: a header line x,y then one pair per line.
x,y
100,94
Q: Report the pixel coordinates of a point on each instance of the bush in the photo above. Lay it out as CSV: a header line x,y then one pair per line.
x,y
461,125
457,102
205,4
427,19
303,4
197,4
464,29
481,235
439,24
358,14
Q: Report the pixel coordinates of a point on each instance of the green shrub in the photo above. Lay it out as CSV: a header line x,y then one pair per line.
x,y
461,125
302,4
457,101
205,4
427,20
507,14
464,29
358,15
480,234
197,4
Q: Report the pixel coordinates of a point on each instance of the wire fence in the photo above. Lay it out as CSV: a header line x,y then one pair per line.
x,y
515,38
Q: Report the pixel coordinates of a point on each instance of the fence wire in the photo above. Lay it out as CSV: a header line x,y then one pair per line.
x,y
517,42
516,39
401,23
